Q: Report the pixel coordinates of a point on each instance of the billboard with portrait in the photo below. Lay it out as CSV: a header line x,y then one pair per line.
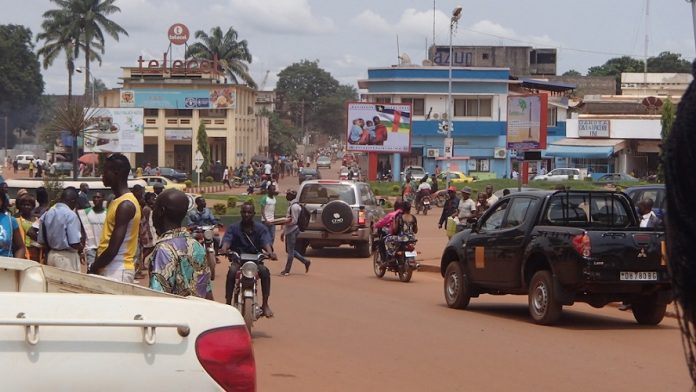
x,y
526,122
215,98
378,127
114,130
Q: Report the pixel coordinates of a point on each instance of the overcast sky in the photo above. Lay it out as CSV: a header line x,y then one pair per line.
x,y
348,37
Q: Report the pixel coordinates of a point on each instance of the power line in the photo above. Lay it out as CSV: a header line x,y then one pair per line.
x,y
592,51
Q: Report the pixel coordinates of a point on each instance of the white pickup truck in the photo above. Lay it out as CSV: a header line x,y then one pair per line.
x,y
65,330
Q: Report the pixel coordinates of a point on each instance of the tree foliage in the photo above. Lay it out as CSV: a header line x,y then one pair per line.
x,y
233,54
21,83
669,62
571,72
83,25
203,146
309,96
666,121
281,135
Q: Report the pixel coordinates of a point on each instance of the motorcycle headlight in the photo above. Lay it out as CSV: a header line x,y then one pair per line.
x,y
208,234
249,269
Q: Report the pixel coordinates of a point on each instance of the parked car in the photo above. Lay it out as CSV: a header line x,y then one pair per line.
x,y
560,248
323,161
614,178
343,174
173,174
307,173
560,174
61,168
23,161
342,212
455,178
654,192
66,325
166,182
416,172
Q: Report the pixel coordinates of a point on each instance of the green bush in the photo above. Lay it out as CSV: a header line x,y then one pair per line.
x,y
220,209
376,191
232,201
209,179
388,204
250,200
396,188
188,183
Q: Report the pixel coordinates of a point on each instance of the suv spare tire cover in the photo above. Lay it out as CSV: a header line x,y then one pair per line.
x,y
337,216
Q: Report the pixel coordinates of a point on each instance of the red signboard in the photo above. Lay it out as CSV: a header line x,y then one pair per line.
x,y
178,34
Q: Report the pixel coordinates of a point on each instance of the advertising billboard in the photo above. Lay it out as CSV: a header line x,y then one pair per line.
x,y
215,98
377,127
114,130
526,122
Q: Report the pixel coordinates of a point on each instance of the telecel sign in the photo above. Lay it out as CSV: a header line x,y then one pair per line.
x,y
178,34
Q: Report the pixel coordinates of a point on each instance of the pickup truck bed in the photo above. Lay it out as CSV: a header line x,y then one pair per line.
x,y
61,329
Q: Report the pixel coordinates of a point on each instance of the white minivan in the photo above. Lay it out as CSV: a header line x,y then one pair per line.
x,y
561,174
23,161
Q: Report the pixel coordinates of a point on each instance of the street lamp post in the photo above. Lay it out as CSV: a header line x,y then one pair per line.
x,y
449,144
693,15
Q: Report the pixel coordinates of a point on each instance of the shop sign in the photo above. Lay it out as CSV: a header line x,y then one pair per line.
x,y
181,135
178,34
593,128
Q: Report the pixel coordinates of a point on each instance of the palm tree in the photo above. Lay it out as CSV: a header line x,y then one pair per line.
x,y
232,54
58,39
89,18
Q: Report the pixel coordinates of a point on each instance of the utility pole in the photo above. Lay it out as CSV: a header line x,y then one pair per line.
x,y
6,138
693,16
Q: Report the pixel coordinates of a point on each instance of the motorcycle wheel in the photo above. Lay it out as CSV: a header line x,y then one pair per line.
x,y
377,265
405,273
425,210
248,313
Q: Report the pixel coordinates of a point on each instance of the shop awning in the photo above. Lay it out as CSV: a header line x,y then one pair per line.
x,y
584,148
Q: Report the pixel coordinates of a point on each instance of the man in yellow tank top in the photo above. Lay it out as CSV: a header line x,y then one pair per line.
x,y
119,240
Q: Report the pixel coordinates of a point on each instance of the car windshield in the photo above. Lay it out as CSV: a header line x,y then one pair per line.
x,y
308,172
323,159
416,170
324,193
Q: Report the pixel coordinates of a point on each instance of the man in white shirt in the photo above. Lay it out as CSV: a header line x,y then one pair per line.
x,y
226,177
491,197
267,169
466,205
93,222
647,216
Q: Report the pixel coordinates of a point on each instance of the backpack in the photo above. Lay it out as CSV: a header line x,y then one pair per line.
x,y
303,219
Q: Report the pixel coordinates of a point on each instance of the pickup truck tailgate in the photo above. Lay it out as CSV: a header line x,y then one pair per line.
x,y
628,255
80,343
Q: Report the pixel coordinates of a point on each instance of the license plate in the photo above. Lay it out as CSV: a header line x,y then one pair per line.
x,y
630,275
411,254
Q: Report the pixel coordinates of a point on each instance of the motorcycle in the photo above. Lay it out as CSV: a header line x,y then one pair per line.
x,y
400,252
205,235
244,296
386,176
423,204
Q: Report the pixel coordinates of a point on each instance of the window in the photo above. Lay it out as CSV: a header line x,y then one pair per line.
x,y
473,107
518,211
495,220
151,112
485,56
483,165
583,210
551,116
418,105
178,112
324,193
382,99
219,113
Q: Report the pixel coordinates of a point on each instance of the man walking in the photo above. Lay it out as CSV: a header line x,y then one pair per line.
x,y
290,233
177,262
268,205
119,240
467,207
451,205
60,232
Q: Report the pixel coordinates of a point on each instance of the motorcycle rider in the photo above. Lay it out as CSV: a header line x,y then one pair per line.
x,y
424,189
386,224
248,236
201,215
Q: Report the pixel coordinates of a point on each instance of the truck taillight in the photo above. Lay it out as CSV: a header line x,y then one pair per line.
x,y
227,356
362,217
582,245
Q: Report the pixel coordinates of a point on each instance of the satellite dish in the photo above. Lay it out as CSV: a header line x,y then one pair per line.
x,y
436,116
405,59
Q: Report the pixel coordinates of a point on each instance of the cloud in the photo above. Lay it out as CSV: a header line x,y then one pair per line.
x,y
280,17
372,22
488,32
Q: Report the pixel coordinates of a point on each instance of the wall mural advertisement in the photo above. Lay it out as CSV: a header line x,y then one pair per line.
x,y
215,98
374,127
526,122
114,130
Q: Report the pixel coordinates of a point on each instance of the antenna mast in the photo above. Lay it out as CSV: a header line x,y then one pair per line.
x,y
645,49
433,23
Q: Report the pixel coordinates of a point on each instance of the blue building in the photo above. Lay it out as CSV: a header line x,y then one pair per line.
x,y
479,109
